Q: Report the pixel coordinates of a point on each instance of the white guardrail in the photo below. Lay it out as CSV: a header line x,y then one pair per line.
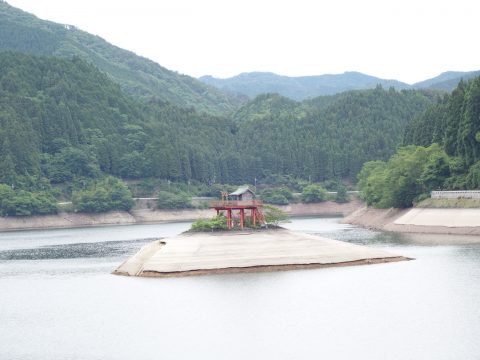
x,y
456,194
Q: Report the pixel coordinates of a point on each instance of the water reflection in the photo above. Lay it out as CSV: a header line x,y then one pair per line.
x,y
59,301
72,251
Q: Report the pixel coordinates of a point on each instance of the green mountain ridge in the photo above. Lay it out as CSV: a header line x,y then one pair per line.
x,y
138,76
447,81
299,88
448,76
305,87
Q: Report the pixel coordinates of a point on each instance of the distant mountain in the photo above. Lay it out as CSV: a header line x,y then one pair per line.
x,y
446,81
299,88
305,87
138,76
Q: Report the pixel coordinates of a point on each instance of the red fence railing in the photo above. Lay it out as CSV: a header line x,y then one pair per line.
x,y
235,203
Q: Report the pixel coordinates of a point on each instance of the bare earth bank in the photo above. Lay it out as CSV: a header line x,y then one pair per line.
x,y
141,216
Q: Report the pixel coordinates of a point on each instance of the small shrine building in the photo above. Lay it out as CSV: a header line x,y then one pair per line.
x,y
240,200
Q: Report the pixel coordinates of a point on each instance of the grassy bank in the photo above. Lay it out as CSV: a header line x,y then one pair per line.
x,y
449,203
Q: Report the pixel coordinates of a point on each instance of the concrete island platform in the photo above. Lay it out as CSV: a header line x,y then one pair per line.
x,y
193,253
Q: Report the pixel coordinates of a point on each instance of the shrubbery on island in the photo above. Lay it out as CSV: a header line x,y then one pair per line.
x,y
273,216
218,222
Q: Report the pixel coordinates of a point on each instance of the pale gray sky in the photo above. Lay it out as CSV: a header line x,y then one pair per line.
x,y
407,40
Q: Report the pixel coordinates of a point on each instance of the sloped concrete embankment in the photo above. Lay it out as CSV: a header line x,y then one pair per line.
x,y
140,216
66,220
418,220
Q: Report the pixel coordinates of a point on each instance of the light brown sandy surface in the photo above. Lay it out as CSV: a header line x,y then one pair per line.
x,y
268,250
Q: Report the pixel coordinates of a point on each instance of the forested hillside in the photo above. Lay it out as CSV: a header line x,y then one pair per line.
x,y
63,119
53,109
333,139
454,123
442,152
138,76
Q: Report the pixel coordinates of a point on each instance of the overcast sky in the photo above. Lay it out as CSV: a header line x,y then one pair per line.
x,y
407,40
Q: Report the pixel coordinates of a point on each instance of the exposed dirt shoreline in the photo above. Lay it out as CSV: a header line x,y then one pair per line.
x,y
355,212
143,216
271,268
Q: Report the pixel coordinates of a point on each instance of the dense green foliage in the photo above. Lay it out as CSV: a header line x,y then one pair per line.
x,y
274,216
218,222
25,203
167,200
342,194
408,176
314,193
454,123
277,196
61,118
108,194
138,76
414,171
64,120
330,141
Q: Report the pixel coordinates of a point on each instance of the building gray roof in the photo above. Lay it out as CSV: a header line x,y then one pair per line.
x,y
241,190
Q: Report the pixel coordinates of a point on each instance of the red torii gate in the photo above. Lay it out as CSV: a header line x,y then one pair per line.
x,y
240,204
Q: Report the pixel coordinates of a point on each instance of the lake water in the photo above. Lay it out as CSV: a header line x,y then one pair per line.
x,y
59,301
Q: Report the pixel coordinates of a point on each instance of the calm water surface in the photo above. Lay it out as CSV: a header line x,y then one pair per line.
x,y
59,301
